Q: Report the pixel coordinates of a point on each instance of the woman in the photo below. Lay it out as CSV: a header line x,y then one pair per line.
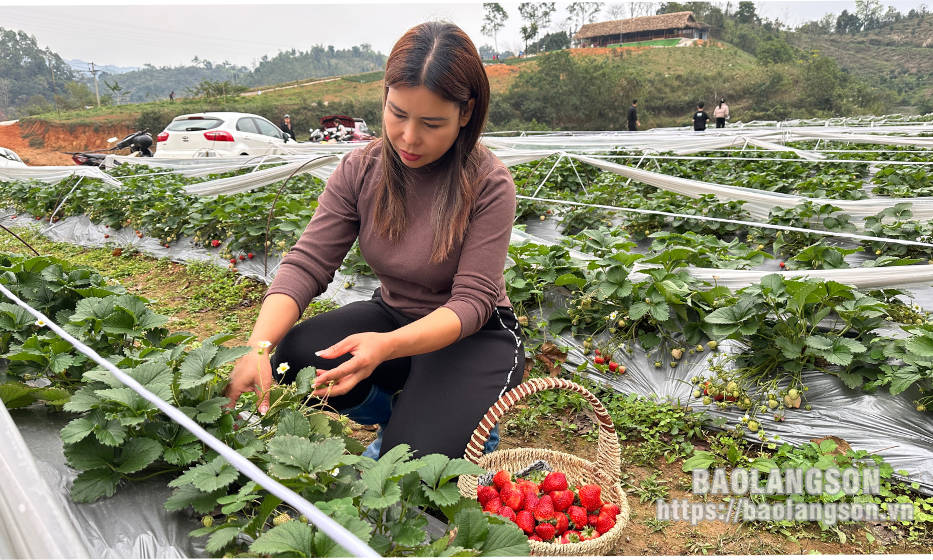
x,y
721,113
433,210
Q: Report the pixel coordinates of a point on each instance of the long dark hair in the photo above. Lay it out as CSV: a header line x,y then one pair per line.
x,y
443,59
721,101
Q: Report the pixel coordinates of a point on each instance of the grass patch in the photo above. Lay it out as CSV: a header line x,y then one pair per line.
x,y
366,78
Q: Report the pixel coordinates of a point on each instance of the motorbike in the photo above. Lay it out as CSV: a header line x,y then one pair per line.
x,y
339,133
138,142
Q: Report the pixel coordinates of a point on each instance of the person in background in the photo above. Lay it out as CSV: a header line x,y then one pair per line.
x,y
171,96
721,113
700,118
286,126
633,123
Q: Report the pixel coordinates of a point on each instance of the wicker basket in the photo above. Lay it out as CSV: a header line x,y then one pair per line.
x,y
604,472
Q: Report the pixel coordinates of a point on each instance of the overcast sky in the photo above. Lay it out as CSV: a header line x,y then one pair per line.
x,y
175,31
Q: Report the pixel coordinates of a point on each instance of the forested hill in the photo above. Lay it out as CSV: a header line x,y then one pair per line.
x,y
26,70
151,83
897,56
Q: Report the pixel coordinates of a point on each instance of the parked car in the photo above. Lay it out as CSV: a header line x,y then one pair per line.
x,y
8,158
219,134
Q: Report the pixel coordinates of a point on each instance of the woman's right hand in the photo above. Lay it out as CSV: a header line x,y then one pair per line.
x,y
252,372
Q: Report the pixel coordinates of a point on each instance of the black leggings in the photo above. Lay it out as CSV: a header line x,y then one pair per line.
x,y
720,122
444,394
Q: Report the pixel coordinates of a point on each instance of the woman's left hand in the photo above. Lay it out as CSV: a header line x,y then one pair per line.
x,y
368,349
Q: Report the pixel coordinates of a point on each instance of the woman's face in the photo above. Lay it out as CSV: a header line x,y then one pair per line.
x,y
421,125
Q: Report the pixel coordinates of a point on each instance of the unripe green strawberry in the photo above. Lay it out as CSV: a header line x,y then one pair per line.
x,y
712,344
280,519
207,521
303,519
753,426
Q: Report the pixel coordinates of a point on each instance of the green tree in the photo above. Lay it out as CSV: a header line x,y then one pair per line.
x,y
746,13
493,21
538,16
582,13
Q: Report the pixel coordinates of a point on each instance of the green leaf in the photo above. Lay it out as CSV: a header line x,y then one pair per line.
x,y
294,423
208,477
304,378
92,484
505,539
221,538
311,457
138,453
459,467
446,495
194,370
77,429
326,547
211,410
431,471
921,345
451,511
15,395
187,495
570,278
225,355
89,454
409,532
700,460
472,528
182,455
292,538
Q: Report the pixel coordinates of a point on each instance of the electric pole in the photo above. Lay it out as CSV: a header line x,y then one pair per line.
x,y
96,91
54,95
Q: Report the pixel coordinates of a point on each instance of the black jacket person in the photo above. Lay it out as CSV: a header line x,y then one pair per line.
x,y
286,126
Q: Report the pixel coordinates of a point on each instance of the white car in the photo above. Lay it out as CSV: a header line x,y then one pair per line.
x,y
8,158
220,134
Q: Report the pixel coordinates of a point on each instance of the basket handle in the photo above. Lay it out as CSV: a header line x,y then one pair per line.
x,y
607,456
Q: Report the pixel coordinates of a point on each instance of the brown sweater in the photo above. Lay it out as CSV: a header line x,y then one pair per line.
x,y
470,282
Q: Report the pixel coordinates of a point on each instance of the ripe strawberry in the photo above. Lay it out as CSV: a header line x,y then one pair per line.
x,y
613,366
527,486
38,217
14,216
577,516
544,510
535,538
611,509
570,537
546,531
242,257
501,478
531,500
621,370
525,521
591,519
512,497
605,523
508,513
232,261
599,360
782,264
215,243
106,236
485,493
493,505
597,351
554,481
589,497
249,255
562,523
563,499
166,245
589,534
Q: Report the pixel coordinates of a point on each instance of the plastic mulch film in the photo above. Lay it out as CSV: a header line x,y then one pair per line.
x,y
133,523
29,509
54,174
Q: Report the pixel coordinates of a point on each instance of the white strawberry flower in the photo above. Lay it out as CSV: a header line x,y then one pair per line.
x,y
264,344
335,472
282,368
40,323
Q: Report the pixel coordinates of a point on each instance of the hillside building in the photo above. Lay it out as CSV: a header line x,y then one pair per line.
x,y
679,25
